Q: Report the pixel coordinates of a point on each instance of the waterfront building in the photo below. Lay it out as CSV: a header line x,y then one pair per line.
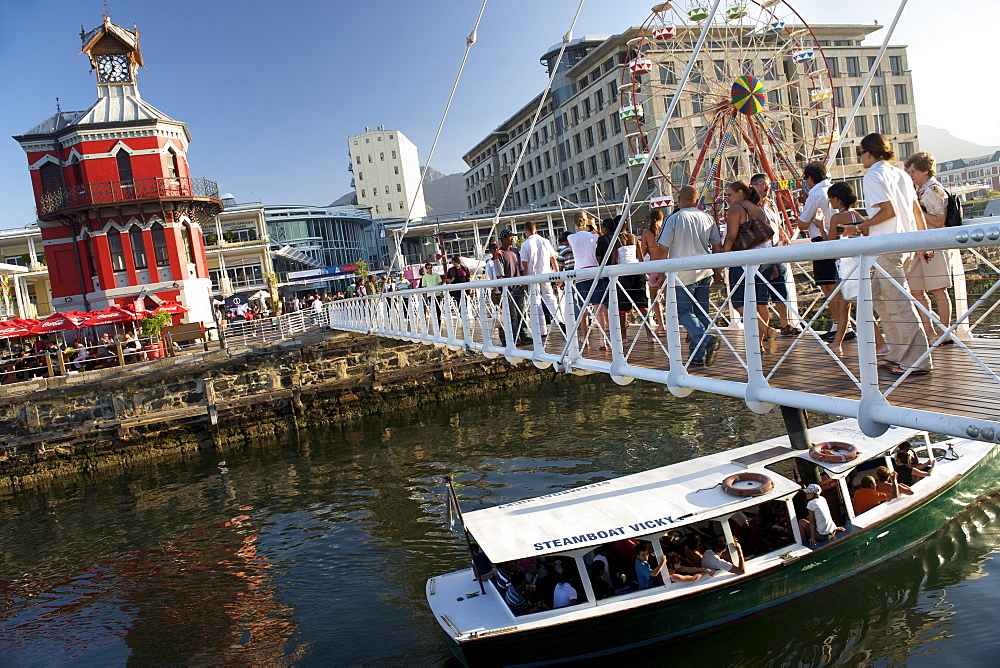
x,y
24,276
981,173
318,248
386,174
119,214
579,150
238,250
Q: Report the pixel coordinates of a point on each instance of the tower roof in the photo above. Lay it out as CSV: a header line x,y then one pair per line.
x,y
110,38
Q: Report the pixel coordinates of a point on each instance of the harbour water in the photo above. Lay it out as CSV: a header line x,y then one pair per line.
x,y
314,549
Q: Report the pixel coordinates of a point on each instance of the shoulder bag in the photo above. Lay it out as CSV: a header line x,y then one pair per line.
x,y
752,233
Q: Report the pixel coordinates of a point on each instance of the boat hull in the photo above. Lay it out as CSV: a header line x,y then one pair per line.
x,y
662,620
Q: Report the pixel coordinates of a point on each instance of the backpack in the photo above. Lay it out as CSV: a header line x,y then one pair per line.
x,y
953,216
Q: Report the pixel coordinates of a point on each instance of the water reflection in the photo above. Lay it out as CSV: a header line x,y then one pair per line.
x,y
317,547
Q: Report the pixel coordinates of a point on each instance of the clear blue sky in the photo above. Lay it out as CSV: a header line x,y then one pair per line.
x,y
271,90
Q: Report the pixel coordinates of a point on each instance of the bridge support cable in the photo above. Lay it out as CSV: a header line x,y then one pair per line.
x,y
640,179
831,159
567,38
469,41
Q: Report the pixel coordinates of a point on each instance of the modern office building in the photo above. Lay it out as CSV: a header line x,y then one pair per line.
x,y
386,172
583,149
318,248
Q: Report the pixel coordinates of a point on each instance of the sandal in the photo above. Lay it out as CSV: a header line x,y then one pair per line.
x,y
836,350
899,371
790,330
889,364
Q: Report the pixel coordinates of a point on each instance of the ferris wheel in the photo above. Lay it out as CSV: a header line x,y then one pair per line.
x,y
759,99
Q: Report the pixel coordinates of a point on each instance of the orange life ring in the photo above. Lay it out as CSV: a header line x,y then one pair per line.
x,y
747,484
834,452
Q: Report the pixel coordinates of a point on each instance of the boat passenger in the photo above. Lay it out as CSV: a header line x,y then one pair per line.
x,y
485,570
564,594
908,466
693,549
600,580
867,496
643,572
882,483
680,573
819,525
713,558
514,596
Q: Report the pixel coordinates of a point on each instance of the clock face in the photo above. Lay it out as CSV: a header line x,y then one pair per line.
x,y
113,68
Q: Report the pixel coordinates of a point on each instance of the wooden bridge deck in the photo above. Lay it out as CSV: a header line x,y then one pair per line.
x,y
957,385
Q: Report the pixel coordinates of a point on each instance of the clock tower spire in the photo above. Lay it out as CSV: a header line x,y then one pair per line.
x,y
115,57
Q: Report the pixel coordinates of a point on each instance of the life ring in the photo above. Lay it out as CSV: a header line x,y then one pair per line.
x,y
747,484
834,452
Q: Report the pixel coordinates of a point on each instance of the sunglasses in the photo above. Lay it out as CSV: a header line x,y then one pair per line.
x,y
861,151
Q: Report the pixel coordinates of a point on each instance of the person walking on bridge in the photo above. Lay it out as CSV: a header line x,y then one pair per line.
x,y
539,257
691,232
509,266
892,208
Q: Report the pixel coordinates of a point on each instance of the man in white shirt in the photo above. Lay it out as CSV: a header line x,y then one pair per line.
x,y
819,527
892,208
814,218
777,278
539,257
713,559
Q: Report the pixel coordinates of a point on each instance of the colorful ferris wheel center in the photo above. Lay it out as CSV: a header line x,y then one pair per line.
x,y
748,95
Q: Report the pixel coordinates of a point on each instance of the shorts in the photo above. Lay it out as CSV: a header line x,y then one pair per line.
x,y
926,275
773,281
600,292
825,272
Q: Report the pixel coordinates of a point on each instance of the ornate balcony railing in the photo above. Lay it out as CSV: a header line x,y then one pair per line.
x,y
76,197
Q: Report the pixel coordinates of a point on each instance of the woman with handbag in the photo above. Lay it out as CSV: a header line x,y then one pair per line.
x,y
747,228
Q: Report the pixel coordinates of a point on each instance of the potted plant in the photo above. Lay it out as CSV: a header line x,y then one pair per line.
x,y
151,326
212,238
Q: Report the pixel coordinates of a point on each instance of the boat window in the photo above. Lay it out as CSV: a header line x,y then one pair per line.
x,y
763,528
542,583
611,568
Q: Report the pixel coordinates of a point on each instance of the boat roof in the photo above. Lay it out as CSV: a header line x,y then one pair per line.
x,y
652,501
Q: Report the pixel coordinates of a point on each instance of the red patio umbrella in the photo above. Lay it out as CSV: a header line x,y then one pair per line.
x,y
112,315
59,322
17,328
171,307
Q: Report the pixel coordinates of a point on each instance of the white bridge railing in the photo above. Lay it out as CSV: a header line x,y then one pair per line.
x,y
960,398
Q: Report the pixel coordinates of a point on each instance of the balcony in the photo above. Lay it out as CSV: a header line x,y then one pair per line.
x,y
75,198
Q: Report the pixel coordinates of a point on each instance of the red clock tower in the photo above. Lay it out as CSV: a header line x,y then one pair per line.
x,y
119,213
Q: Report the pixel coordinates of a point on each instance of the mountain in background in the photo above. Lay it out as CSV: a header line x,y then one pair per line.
x,y
443,193
944,146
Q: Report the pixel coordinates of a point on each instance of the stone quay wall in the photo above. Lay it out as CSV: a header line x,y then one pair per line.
x,y
109,418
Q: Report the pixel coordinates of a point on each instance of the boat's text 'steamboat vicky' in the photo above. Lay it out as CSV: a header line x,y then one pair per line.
x,y
655,555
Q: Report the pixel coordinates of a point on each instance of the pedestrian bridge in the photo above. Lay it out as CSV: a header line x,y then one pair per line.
x,y
960,397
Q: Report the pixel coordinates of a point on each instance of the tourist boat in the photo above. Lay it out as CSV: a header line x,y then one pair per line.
x,y
668,504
